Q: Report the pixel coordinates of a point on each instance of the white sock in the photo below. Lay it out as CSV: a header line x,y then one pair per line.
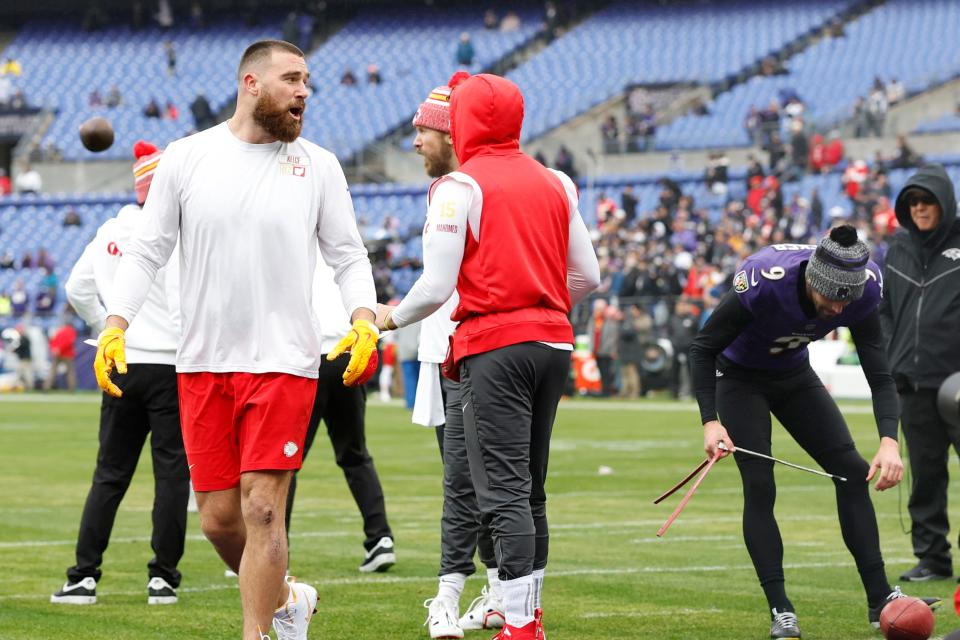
x,y
518,600
537,587
451,586
493,579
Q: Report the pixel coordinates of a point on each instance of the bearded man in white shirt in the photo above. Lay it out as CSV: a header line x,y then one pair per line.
x,y
249,201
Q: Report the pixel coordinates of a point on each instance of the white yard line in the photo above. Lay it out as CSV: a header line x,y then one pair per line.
x,y
374,580
565,405
679,406
50,398
129,539
609,526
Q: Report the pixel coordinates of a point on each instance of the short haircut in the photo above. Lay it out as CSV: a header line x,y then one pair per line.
x,y
262,49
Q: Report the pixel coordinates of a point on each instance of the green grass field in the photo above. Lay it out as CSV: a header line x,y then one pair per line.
x,y
609,576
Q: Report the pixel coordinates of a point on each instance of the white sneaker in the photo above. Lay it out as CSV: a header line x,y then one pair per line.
x,y
442,618
381,557
83,592
292,619
485,612
159,591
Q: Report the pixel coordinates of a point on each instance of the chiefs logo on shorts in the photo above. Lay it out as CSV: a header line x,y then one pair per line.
x,y
290,449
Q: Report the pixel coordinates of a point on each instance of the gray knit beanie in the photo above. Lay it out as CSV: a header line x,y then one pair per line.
x,y
838,267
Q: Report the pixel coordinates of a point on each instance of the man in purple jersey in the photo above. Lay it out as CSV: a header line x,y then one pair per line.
x,y
750,360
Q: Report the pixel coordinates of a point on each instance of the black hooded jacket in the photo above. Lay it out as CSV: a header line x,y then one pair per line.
x,y
920,309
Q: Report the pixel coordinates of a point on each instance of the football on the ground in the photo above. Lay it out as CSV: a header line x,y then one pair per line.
x,y
906,619
96,134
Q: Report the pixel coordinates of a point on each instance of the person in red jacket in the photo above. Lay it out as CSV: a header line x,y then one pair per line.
x,y
817,152
506,232
833,154
62,351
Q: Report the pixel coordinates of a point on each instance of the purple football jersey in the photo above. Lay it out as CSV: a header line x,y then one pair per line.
x,y
777,338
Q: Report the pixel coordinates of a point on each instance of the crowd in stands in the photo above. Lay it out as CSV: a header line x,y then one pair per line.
x,y
663,271
11,98
635,133
635,136
43,359
373,75
20,302
869,113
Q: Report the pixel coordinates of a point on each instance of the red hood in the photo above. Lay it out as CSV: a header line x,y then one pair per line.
x,y
486,113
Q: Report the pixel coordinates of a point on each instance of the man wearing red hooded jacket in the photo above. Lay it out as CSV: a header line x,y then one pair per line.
x,y
507,234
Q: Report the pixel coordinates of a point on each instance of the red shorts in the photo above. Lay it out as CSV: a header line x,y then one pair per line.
x,y
237,422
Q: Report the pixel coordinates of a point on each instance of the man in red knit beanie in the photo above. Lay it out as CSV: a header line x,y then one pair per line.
x,y
438,405
518,274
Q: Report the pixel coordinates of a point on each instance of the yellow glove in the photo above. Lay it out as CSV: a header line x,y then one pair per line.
x,y
111,350
361,342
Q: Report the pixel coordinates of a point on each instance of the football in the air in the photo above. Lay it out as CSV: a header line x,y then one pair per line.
x,y
96,134
906,619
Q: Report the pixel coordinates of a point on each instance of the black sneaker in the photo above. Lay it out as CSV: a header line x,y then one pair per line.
x,y
159,591
380,558
784,624
923,573
873,614
83,592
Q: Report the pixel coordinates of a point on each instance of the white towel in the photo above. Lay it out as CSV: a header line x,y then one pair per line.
x,y
428,405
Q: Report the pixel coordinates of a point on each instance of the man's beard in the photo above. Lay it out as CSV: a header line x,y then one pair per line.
x,y
441,164
275,118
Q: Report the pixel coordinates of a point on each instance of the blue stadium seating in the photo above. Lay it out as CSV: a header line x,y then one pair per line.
x,y
414,48
944,124
625,43
832,73
62,65
644,42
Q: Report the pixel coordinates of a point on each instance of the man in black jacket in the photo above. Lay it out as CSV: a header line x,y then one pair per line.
x,y
920,313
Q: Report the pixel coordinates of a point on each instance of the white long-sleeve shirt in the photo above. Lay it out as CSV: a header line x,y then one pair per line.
x,y
328,305
249,218
435,331
153,335
458,200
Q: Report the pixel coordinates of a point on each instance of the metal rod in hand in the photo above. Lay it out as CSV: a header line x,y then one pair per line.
x,y
687,479
689,494
783,462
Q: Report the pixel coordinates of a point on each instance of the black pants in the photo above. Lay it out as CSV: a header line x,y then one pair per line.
x,y
149,405
343,409
606,366
510,398
461,530
929,440
804,407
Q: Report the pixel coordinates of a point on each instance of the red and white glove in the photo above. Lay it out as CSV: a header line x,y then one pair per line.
x,y
361,342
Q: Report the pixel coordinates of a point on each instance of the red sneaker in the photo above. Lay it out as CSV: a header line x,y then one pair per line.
x,y
533,630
